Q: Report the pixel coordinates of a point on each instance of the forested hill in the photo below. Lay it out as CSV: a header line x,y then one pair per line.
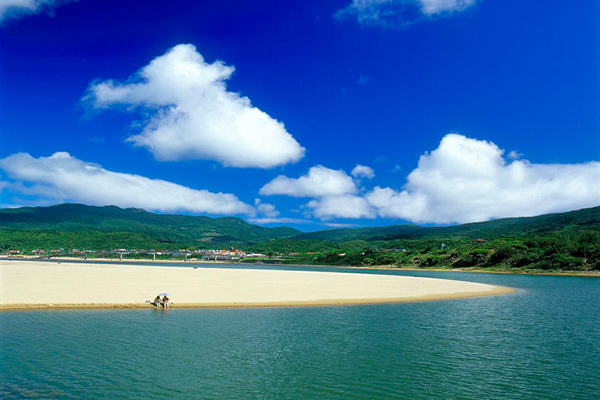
x,y
76,225
587,218
89,226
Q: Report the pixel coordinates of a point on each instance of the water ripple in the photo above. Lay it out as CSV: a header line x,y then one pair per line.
x,y
541,342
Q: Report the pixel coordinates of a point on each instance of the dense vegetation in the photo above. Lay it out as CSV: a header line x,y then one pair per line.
x,y
549,223
76,225
573,251
565,241
554,242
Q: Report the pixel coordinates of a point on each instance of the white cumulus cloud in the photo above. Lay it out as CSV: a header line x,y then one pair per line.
x,y
194,116
62,177
334,192
266,209
341,206
320,181
467,180
463,180
362,171
393,13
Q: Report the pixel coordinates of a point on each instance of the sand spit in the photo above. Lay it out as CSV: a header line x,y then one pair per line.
x,y
39,285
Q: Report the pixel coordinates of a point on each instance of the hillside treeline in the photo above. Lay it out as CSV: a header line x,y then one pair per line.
x,y
574,251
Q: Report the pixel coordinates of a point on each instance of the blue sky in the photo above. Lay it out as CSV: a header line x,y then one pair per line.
x,y
453,110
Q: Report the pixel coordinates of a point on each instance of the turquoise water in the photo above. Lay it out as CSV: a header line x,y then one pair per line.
x,y
541,342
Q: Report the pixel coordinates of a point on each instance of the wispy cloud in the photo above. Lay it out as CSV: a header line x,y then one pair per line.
x,y
363,80
194,116
21,8
513,155
278,220
339,225
400,13
62,177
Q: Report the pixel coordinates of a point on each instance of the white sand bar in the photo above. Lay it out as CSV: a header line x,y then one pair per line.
x,y
30,284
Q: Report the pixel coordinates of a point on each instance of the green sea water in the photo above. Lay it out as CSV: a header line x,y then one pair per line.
x,y
542,342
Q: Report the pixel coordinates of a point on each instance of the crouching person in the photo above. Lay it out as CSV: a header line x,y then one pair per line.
x,y
157,302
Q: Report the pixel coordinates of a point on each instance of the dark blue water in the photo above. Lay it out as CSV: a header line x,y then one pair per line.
x,y
542,342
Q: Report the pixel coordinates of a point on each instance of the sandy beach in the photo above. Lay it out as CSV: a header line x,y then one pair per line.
x,y
31,284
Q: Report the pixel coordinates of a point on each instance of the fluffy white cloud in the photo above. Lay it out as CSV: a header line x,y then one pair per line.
x,y
62,177
466,180
194,116
320,181
463,180
362,171
334,192
392,13
341,206
266,209
18,8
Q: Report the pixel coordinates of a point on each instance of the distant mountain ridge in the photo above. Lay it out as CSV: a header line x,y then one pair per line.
x,y
92,226
160,228
587,217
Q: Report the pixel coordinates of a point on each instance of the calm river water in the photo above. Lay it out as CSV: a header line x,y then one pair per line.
x,y
542,342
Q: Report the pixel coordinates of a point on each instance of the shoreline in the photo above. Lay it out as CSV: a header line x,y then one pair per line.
x,y
27,286
375,268
310,303
500,290
586,274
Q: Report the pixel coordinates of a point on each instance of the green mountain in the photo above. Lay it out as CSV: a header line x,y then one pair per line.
x,y
555,242
76,225
559,242
588,218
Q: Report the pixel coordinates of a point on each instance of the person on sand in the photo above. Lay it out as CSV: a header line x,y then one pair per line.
x,y
157,302
165,302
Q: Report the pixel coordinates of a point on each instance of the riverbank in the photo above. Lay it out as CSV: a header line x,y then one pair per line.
x,y
519,271
43,285
595,274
